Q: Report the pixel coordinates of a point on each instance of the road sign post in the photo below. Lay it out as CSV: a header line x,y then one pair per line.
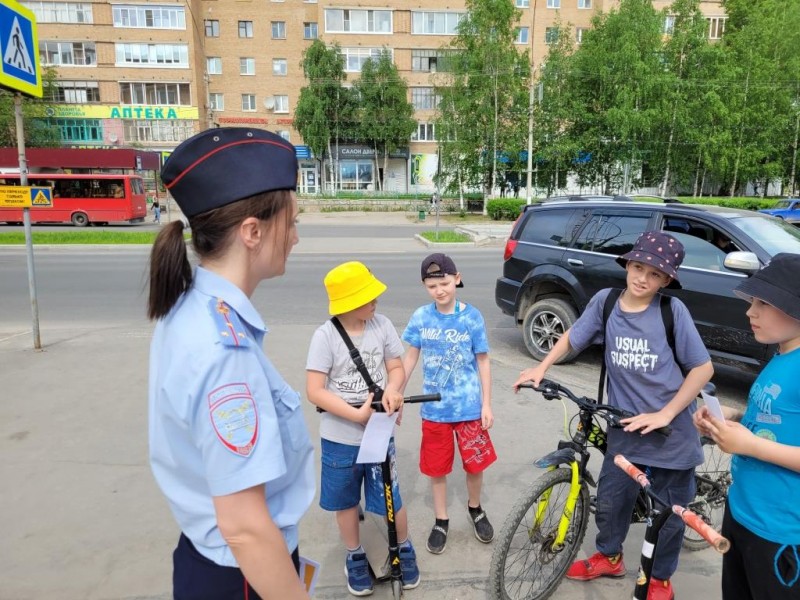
x,y
20,72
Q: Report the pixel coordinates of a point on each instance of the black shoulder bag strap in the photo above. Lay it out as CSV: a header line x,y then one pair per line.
x,y
355,355
667,316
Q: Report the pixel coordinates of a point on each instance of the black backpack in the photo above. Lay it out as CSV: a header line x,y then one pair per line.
x,y
667,316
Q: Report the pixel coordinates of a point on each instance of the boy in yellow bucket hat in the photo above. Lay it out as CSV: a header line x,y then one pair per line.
x,y
334,383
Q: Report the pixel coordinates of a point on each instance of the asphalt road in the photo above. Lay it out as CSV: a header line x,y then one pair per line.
x,y
80,513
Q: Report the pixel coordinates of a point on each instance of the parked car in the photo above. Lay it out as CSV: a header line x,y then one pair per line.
x,y
788,210
561,252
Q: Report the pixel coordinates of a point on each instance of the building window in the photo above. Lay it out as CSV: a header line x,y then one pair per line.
x,y
287,135
212,28
584,3
152,55
550,35
522,35
60,12
354,58
553,3
247,66
430,61
338,20
145,17
249,102
435,23
160,130
356,175
279,30
716,27
279,66
75,92
67,53
309,31
155,93
579,33
78,130
424,98
214,65
216,101
281,104
426,132
245,29
522,3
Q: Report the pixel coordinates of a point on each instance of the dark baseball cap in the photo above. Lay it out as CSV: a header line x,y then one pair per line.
x,y
439,265
659,250
777,284
220,166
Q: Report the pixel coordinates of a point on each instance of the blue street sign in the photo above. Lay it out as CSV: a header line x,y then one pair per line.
x,y
19,49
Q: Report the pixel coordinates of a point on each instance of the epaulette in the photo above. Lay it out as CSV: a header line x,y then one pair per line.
x,y
229,327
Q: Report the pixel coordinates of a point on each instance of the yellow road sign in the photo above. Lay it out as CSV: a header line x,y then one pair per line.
x,y
24,196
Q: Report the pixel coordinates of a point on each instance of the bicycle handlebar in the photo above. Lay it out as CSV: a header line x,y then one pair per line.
x,y
612,415
692,519
416,399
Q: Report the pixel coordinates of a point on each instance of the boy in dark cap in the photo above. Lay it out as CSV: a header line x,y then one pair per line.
x,y
762,519
451,336
645,378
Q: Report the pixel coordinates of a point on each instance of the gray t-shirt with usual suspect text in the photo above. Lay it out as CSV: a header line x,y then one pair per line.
x,y
328,354
643,375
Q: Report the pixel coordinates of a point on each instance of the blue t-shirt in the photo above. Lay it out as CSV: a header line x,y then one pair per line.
x,y
763,496
643,376
448,345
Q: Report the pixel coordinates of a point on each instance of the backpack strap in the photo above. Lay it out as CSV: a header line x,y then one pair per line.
x,y
668,317
355,355
608,307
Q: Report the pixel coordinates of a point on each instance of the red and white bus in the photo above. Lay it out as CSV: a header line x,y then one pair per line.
x,y
82,199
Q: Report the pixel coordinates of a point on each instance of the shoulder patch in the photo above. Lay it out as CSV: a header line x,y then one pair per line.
x,y
234,417
229,327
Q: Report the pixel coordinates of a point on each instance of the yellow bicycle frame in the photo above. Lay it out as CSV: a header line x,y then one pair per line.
x,y
569,507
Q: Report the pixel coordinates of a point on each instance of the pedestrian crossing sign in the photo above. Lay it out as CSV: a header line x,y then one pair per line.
x,y
41,196
19,48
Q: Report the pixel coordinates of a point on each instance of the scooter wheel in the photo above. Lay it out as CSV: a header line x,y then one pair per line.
x,y
397,589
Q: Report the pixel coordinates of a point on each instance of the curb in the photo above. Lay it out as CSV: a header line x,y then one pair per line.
x,y
431,244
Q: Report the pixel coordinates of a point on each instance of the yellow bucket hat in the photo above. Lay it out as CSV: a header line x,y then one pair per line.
x,y
350,286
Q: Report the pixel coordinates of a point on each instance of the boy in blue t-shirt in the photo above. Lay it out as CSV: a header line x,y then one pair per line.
x,y
451,337
644,378
762,519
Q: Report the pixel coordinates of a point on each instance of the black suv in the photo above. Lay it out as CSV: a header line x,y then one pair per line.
x,y
562,251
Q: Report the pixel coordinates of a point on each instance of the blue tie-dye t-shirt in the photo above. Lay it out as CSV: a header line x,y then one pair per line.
x,y
448,345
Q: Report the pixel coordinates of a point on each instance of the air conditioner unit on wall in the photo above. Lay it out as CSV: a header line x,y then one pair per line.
x,y
269,103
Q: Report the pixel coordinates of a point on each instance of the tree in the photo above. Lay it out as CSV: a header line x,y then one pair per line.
x,y
324,103
38,132
386,118
484,98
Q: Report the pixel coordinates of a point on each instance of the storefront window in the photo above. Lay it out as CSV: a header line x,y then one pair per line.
x,y
356,175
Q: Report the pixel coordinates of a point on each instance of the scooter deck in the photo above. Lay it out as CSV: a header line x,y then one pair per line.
x,y
375,540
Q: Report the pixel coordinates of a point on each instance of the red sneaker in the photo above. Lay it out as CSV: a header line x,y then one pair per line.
x,y
660,589
597,565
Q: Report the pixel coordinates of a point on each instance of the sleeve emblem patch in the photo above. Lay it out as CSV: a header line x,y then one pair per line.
x,y
234,417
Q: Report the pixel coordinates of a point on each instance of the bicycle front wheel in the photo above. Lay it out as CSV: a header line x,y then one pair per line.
x,y
525,563
713,478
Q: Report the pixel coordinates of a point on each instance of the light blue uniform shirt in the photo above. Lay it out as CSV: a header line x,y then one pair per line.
x,y
221,417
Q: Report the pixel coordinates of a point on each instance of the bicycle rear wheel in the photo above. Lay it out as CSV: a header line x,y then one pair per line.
x,y
713,478
525,566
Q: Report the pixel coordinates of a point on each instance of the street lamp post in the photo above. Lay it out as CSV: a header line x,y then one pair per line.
x,y
528,189
793,173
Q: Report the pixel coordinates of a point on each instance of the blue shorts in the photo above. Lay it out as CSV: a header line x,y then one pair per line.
x,y
342,477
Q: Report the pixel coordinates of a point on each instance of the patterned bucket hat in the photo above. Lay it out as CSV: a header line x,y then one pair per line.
x,y
659,250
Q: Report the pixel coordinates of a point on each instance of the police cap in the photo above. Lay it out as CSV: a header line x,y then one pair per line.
x,y
220,166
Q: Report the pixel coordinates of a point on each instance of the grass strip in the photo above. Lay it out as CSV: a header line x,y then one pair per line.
x,y
81,237
446,237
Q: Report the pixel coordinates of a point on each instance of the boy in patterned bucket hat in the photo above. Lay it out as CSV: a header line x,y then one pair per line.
x,y
645,377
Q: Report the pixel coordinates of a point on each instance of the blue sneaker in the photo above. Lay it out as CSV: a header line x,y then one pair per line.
x,y
359,581
408,565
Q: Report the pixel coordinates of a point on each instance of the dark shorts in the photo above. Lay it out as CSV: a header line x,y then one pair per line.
x,y
342,478
437,450
194,577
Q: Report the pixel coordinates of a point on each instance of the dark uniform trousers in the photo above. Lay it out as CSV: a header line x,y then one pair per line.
x,y
194,577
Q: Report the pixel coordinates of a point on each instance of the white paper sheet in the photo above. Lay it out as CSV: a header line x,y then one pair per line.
x,y
712,402
376,438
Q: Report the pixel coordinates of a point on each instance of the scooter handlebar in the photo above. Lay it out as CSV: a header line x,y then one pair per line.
x,y
416,399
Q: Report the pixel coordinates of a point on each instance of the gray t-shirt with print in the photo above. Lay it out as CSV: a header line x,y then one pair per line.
x,y
643,376
328,354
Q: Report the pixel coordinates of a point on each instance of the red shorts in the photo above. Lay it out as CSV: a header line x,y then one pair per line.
x,y
437,449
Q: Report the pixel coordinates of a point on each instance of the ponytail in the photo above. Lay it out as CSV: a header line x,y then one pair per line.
x,y
170,271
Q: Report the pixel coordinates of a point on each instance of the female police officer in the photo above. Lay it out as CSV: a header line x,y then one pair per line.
x,y
228,443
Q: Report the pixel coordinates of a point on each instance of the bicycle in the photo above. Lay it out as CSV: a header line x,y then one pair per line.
x,y
545,529
712,478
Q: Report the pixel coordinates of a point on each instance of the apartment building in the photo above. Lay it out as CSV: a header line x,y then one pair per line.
x,y
149,74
